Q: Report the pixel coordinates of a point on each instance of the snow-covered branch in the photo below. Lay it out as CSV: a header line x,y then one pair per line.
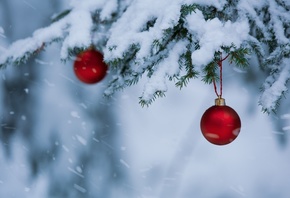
x,y
275,86
23,49
155,38
169,66
74,30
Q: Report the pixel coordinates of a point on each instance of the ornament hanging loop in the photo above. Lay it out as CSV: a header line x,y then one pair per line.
x,y
220,100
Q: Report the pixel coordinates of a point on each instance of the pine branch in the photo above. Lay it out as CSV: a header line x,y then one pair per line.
x,y
147,102
180,42
275,86
187,9
277,55
60,15
66,27
21,50
256,47
184,80
186,62
239,57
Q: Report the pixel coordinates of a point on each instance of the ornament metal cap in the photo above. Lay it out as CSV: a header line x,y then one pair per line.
x,y
220,101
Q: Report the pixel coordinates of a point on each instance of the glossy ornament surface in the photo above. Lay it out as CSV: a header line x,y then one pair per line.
x,y
89,66
220,124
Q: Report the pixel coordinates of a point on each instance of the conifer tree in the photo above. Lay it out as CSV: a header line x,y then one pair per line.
x,y
171,41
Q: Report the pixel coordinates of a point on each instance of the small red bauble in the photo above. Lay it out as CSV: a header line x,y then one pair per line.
x,y
220,124
89,66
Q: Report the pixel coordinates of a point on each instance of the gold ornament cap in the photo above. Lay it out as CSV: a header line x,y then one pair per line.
x,y
220,101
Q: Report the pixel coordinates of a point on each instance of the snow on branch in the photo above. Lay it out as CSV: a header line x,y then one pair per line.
x,y
279,17
269,39
23,49
79,33
269,18
142,42
141,24
74,29
212,34
275,86
169,66
169,40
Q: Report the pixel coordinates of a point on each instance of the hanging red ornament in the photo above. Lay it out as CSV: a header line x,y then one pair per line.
x,y
220,124
89,66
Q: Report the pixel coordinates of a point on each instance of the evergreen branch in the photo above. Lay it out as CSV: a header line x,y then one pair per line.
x,y
275,86
186,62
147,102
210,72
132,56
277,55
123,66
21,50
239,57
167,69
258,49
116,84
187,9
159,53
75,51
25,48
60,15
184,80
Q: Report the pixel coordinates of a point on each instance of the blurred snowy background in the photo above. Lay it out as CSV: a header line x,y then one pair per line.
x,y
61,138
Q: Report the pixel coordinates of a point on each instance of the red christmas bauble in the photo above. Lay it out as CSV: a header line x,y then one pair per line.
x,y
220,124
89,66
